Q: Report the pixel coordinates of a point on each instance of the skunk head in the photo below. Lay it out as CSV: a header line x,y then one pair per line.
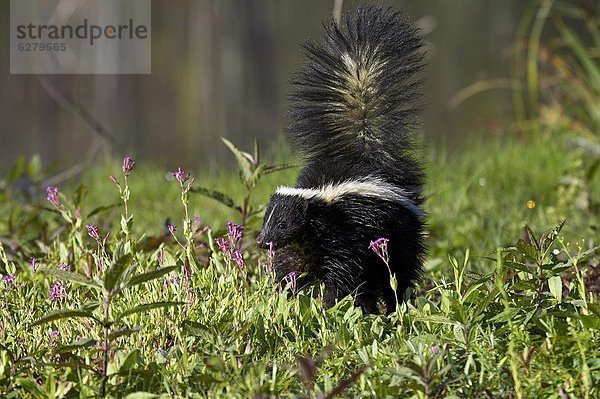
x,y
285,220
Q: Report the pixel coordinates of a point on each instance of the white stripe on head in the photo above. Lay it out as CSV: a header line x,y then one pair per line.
x,y
270,215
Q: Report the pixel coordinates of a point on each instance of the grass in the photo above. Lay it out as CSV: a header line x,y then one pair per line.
x,y
161,318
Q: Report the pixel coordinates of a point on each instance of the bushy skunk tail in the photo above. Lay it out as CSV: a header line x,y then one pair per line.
x,y
357,95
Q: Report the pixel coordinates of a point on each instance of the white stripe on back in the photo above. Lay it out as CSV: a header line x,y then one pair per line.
x,y
367,187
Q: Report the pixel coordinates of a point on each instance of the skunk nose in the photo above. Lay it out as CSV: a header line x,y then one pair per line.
x,y
260,241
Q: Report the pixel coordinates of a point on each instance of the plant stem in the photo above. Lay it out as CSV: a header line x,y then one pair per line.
x,y
105,344
125,199
246,206
541,283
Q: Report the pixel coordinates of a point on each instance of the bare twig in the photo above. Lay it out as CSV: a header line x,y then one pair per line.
x,y
80,111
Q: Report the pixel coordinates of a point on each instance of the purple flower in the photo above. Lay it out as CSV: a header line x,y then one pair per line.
x,y
52,196
380,247
172,228
9,281
128,165
93,232
181,176
189,185
64,267
271,253
291,278
238,258
33,263
57,291
234,231
224,245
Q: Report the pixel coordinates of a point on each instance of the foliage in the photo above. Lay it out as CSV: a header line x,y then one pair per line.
x,y
562,76
181,315
251,170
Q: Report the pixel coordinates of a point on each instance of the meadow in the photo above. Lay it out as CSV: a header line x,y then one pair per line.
x,y
100,298
140,282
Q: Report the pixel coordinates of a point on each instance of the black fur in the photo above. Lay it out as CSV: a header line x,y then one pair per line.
x,y
347,123
353,105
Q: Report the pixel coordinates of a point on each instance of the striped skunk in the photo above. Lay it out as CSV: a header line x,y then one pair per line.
x,y
354,103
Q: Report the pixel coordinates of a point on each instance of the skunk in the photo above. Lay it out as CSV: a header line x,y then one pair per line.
x,y
354,103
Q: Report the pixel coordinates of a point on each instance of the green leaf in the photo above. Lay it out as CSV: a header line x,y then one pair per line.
x,y
528,250
555,285
205,378
435,319
76,363
244,161
146,307
16,171
35,165
256,152
3,256
594,308
277,168
80,194
141,395
483,304
79,344
115,272
64,314
30,386
591,322
90,305
531,237
217,196
517,266
149,276
549,236
256,174
592,170
194,328
168,259
73,277
123,332
101,209
130,361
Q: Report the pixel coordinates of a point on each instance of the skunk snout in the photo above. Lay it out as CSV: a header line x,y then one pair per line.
x,y
260,241
263,242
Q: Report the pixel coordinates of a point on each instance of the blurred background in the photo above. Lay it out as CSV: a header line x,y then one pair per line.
x,y
220,68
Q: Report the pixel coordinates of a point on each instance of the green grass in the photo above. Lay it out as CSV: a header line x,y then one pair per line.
x,y
483,323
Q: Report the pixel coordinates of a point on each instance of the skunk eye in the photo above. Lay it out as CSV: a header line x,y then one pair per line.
x,y
281,226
